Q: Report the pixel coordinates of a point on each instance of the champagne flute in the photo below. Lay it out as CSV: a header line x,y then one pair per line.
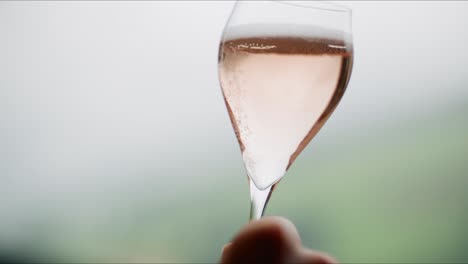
x,y
283,68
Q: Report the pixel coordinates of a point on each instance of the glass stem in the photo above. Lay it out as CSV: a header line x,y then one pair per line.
x,y
258,200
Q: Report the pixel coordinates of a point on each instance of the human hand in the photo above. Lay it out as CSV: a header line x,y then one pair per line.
x,y
273,240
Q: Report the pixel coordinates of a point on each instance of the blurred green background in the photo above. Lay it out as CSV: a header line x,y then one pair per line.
x,y
116,145
360,198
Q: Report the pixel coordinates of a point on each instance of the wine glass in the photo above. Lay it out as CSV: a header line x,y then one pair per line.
x,y
283,68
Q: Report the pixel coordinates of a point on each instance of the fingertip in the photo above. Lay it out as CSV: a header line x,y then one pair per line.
x,y
225,248
282,227
268,240
308,256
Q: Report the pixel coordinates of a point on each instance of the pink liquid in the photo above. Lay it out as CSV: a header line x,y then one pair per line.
x,y
279,92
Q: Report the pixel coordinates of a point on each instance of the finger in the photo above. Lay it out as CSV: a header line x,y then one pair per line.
x,y
269,240
279,227
307,256
225,248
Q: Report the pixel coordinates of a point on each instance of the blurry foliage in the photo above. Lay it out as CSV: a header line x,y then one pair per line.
x,y
397,194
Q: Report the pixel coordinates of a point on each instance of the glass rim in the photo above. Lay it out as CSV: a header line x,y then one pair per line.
x,y
317,5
